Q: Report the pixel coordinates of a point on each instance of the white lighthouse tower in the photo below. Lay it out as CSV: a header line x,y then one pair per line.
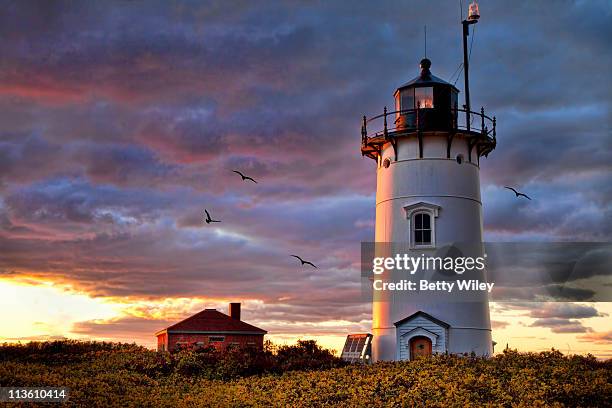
x,y
427,153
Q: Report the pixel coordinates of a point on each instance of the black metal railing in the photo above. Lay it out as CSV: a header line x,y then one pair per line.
x,y
419,121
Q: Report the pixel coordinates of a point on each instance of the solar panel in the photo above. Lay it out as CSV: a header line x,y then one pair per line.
x,y
357,348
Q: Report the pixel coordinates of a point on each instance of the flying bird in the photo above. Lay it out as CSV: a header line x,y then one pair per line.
x,y
518,193
304,262
244,177
208,219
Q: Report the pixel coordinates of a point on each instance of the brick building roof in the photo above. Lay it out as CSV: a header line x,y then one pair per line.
x,y
212,321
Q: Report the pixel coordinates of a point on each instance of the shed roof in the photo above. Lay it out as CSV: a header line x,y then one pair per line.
x,y
211,321
425,315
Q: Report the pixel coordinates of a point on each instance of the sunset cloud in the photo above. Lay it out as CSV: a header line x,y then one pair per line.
x,y
598,337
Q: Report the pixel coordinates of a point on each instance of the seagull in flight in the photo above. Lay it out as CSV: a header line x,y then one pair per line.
x,y
244,177
208,219
518,193
304,262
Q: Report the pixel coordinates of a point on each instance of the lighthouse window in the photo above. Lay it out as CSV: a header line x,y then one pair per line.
x,y
422,229
424,97
407,102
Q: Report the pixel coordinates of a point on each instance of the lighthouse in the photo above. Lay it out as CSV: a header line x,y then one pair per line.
x,y
427,152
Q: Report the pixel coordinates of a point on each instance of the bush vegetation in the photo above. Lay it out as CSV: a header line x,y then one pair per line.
x,y
127,375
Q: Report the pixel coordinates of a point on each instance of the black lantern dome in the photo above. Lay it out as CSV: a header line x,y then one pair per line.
x,y
426,78
427,107
427,99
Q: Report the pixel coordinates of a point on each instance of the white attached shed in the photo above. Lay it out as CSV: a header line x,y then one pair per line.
x,y
420,334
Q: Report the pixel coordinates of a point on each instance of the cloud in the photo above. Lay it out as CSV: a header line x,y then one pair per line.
x,y
124,327
559,317
34,338
557,325
565,311
496,324
596,337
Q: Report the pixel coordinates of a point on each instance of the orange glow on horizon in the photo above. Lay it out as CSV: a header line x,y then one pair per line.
x,y
56,311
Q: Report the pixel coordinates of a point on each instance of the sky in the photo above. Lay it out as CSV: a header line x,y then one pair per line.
x,y
121,121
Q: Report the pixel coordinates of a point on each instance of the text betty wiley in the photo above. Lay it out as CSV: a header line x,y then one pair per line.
x,y
425,285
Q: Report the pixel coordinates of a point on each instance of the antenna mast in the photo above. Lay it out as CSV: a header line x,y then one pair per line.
x,y
473,16
425,28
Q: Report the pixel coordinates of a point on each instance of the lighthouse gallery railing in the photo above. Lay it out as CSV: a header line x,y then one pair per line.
x,y
487,124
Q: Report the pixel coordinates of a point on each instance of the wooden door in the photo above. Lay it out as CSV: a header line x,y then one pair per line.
x,y
420,346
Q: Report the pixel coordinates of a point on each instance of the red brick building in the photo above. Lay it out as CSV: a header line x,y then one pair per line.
x,y
211,328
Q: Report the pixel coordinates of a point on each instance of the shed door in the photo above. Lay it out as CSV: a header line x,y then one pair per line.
x,y
420,346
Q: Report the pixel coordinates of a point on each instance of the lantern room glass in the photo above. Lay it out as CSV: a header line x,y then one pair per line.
x,y
454,108
407,101
423,98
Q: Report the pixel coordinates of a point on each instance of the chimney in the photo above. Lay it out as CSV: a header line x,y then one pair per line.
x,y
234,310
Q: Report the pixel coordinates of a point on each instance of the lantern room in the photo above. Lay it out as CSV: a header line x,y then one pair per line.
x,y
427,102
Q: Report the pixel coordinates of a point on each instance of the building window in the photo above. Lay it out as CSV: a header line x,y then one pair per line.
x,y
216,339
422,224
422,229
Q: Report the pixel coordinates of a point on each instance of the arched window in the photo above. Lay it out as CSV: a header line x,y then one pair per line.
x,y
422,221
422,229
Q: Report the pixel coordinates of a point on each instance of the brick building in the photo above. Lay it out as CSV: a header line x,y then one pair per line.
x,y
211,328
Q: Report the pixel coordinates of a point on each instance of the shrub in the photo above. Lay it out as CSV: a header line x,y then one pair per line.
x,y
105,375
305,355
210,363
